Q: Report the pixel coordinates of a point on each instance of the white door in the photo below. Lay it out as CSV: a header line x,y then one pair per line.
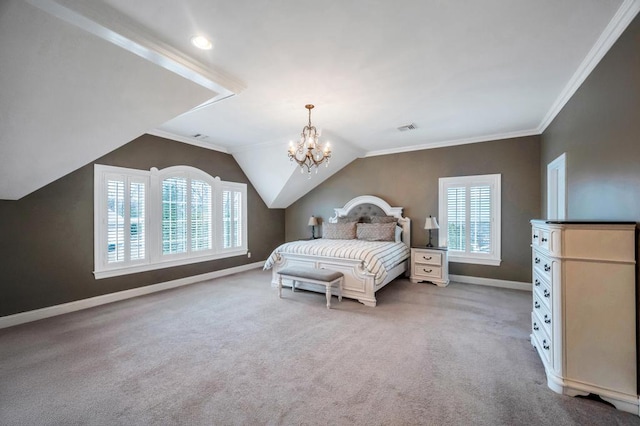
x,y
557,188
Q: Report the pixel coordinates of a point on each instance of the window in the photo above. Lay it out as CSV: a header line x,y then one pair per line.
x,y
469,210
154,219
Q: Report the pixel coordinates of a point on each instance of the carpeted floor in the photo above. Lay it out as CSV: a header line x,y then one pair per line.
x,y
228,351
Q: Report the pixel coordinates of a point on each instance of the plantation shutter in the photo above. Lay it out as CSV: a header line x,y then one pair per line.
x,y
174,215
480,219
115,219
232,226
137,218
201,221
456,214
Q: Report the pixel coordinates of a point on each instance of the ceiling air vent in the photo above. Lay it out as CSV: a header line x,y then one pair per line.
x,y
200,136
407,127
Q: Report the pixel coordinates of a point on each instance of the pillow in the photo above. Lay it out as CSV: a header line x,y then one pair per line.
x,y
345,219
398,234
376,231
339,231
384,219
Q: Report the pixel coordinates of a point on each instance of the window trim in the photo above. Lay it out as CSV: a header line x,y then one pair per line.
x,y
153,216
493,180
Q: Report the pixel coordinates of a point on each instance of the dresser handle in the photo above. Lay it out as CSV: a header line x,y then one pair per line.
x,y
545,345
537,283
427,272
535,237
535,326
537,260
427,258
546,293
547,268
536,305
547,320
544,240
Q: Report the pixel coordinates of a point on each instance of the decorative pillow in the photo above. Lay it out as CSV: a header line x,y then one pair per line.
x,y
345,219
383,219
339,231
376,231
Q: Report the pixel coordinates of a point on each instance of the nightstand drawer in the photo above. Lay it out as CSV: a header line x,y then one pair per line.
x,y
426,271
429,258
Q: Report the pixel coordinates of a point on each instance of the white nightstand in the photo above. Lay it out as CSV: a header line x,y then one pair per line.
x,y
430,264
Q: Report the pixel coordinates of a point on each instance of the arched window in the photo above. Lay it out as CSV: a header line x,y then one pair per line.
x,y
154,219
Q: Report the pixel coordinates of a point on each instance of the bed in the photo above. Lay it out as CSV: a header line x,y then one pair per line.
x,y
367,265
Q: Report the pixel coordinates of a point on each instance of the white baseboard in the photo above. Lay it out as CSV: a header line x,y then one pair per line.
x,y
38,314
514,285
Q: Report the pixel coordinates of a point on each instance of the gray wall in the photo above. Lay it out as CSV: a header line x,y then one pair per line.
x,y
47,255
410,180
599,129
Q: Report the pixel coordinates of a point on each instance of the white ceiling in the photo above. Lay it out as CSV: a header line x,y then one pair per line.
x,y
460,71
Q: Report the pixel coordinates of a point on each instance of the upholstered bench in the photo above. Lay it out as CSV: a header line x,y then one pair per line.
x,y
314,276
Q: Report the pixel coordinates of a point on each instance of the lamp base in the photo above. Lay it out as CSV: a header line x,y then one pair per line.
x,y
429,243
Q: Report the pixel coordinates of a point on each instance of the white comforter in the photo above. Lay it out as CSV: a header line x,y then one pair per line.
x,y
378,257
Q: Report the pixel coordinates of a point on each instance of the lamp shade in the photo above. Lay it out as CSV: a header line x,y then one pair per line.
x,y
431,223
313,221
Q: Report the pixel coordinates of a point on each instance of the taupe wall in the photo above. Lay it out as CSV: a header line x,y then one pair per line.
x,y
599,129
410,180
47,253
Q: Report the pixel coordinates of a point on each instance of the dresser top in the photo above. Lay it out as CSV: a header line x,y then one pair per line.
x,y
585,222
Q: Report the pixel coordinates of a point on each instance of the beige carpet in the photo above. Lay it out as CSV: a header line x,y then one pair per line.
x,y
228,351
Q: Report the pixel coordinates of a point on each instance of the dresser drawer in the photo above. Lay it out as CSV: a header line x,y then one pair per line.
x,y
542,340
540,304
542,266
542,289
543,318
425,271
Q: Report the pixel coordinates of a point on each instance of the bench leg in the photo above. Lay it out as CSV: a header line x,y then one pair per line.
x,y
328,296
279,286
293,286
340,290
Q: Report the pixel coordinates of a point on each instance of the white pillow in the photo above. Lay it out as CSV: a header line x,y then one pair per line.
x,y
398,234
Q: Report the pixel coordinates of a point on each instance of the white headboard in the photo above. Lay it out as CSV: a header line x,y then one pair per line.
x,y
370,205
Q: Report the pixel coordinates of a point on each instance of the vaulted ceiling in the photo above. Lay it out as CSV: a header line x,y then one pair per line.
x,y
80,78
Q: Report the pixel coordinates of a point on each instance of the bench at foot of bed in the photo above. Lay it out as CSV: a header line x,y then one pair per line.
x,y
324,277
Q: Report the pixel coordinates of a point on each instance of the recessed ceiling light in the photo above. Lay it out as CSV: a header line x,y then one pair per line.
x,y
201,42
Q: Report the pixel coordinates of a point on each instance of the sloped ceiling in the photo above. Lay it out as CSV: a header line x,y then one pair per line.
x,y
461,71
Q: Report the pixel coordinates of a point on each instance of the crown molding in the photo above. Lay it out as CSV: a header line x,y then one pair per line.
x,y
454,142
116,28
620,21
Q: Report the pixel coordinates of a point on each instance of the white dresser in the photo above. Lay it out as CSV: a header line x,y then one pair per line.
x,y
584,308
430,264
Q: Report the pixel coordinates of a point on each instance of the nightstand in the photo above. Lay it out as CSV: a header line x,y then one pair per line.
x,y
430,264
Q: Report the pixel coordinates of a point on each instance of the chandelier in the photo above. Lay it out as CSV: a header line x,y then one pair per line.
x,y
309,153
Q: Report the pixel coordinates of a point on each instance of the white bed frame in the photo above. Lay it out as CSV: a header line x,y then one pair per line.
x,y
358,282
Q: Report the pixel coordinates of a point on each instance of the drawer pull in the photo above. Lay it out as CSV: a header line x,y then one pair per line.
x,y
536,305
427,272
544,240
537,283
546,293
535,326
545,345
547,268
427,258
537,260
547,320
